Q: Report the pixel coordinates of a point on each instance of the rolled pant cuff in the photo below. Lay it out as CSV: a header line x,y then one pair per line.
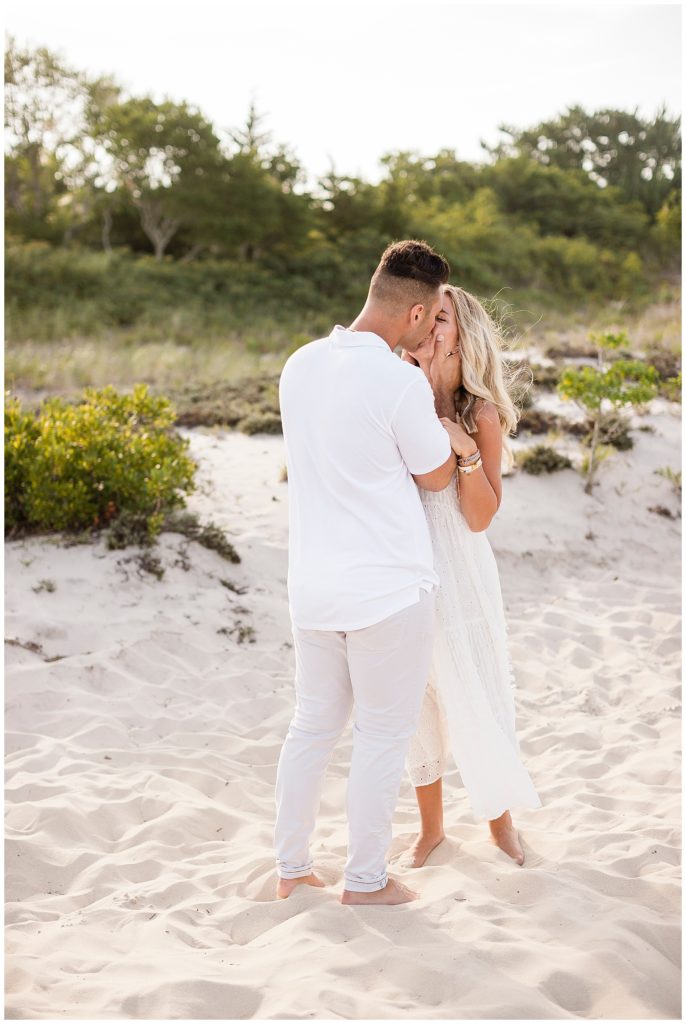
x,y
353,886
283,872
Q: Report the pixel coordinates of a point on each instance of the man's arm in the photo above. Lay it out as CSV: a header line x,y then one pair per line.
x,y
437,479
422,439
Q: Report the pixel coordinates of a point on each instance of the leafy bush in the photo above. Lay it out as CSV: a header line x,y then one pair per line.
x,y
536,421
74,292
667,364
21,436
670,388
78,466
581,268
570,351
545,376
606,388
231,405
614,430
129,528
210,535
542,459
261,423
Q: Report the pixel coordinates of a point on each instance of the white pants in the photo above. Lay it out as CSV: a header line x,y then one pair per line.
x,y
382,670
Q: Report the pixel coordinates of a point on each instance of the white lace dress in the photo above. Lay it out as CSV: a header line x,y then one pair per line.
x,y
469,706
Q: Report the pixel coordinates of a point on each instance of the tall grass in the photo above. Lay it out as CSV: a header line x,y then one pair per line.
x,y
76,318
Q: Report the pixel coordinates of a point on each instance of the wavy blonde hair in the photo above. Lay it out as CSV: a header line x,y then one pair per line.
x,y
485,373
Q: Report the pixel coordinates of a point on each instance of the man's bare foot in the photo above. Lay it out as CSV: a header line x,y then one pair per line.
x,y
504,835
419,851
393,893
286,885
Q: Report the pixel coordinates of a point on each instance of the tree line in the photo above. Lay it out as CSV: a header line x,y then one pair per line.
x,y
586,204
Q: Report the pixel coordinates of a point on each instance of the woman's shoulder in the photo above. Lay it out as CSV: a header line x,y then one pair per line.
x,y
485,412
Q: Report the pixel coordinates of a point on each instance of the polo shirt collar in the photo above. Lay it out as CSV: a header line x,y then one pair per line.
x,y
358,339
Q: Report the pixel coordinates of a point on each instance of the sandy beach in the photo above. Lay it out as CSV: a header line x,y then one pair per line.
x,y
144,720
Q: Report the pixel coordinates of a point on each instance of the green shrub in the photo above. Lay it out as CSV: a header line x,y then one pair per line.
x,y
21,435
230,404
536,421
59,292
602,390
261,423
542,459
670,388
129,528
546,376
614,430
75,466
570,350
210,535
667,364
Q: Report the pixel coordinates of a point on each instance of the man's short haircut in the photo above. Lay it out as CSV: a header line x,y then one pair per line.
x,y
408,273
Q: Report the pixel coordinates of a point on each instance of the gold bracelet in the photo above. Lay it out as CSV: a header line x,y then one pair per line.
x,y
471,468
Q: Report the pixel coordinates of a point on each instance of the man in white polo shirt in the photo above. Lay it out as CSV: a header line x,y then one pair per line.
x,y
360,429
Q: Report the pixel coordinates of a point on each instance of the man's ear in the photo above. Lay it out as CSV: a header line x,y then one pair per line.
x,y
417,314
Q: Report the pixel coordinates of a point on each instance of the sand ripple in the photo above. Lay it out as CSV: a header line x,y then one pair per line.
x,y
141,765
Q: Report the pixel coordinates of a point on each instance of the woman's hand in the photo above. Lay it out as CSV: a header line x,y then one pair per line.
x,y
446,368
422,355
462,443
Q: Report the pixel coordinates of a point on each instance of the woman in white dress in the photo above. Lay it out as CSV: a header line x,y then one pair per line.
x,y
468,708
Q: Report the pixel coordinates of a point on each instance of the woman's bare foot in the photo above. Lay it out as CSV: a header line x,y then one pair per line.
x,y
286,885
419,851
504,835
393,893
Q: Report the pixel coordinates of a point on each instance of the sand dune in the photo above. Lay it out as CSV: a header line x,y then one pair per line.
x,y
141,751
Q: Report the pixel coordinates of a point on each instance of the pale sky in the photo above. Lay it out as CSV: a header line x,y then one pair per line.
x,y
350,81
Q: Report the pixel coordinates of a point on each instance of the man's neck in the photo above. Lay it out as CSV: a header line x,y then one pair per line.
x,y
368,320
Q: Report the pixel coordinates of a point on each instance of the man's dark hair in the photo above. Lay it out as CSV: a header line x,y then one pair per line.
x,y
409,272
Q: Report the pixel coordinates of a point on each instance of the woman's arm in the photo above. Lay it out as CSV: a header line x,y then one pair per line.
x,y
481,491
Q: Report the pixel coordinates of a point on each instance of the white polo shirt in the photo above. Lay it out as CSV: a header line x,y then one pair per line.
x,y
357,422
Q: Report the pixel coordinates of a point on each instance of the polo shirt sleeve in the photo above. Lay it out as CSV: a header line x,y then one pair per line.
x,y
421,437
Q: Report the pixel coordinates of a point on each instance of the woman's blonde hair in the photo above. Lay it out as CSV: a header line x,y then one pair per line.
x,y
485,373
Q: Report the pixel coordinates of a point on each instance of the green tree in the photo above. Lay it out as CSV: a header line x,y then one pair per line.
x,y
266,209
46,138
614,147
566,202
666,232
165,157
485,248
349,203
604,389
